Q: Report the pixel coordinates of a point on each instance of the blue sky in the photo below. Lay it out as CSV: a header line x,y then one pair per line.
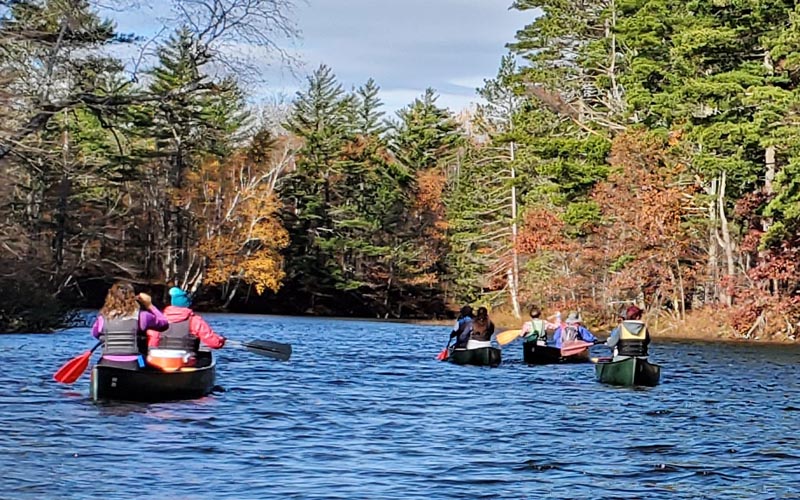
x,y
405,45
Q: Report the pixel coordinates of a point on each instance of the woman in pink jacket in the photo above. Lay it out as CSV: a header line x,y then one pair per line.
x,y
179,345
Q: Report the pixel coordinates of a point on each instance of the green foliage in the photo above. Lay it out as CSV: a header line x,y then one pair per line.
x,y
784,208
581,216
368,115
320,118
621,262
426,134
194,115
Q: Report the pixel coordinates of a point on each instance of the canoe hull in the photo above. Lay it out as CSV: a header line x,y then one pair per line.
x,y
628,372
534,354
120,384
484,356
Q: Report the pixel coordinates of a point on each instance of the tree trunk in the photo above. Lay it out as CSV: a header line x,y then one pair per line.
x,y
725,240
711,291
514,271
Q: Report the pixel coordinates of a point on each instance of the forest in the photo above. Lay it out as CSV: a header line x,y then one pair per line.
x,y
626,150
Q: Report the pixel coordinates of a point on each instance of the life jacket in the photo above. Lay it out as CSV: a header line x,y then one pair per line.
x,y
121,337
178,337
633,338
570,332
537,331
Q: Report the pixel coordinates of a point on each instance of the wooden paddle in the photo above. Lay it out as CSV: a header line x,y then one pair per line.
x,y
266,348
74,368
507,336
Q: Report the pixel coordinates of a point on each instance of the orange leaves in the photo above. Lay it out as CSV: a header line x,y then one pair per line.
x,y
430,186
236,213
541,232
647,209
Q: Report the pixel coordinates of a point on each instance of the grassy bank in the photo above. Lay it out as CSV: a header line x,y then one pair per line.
x,y
706,325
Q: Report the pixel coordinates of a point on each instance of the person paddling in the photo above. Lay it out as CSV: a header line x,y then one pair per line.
x,y
122,323
482,330
536,329
630,338
463,328
179,345
571,331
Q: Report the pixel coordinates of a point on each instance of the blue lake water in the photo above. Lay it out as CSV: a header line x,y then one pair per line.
x,y
364,411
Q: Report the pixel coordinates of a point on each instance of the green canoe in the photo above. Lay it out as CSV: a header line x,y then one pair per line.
x,y
484,356
628,372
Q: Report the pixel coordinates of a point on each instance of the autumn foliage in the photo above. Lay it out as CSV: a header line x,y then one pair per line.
x,y
235,208
640,249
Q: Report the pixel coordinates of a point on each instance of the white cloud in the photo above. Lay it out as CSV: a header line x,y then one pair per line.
x,y
469,82
405,45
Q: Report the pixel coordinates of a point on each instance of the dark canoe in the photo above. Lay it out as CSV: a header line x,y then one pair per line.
x,y
121,384
484,356
534,354
628,372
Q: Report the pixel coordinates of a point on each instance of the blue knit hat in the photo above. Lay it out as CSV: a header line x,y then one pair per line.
x,y
179,298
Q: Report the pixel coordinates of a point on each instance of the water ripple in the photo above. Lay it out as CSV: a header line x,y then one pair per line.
x,y
363,410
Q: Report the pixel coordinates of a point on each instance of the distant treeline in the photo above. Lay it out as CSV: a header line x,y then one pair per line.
x,y
636,150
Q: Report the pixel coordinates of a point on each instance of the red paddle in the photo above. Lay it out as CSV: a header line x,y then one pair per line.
x,y
442,356
74,368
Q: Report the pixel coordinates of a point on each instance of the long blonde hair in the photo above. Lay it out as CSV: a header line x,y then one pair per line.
x,y
120,302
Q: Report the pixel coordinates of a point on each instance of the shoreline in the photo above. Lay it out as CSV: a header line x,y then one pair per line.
x,y
660,331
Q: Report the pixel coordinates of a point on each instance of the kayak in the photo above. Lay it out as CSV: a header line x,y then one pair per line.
x,y
149,384
628,372
484,356
534,354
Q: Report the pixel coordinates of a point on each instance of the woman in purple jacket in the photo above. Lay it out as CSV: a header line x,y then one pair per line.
x,y
122,325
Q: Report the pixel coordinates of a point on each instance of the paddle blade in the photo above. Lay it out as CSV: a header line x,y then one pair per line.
x,y
575,348
507,336
442,356
267,348
73,369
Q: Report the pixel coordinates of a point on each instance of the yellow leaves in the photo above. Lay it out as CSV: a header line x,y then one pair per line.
x,y
264,271
241,235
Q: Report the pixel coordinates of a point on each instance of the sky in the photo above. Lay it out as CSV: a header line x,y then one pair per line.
x,y
405,45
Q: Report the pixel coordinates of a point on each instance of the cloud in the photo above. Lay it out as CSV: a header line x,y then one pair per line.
x,y
469,82
405,45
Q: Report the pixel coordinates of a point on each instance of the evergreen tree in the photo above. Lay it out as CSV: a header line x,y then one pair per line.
x,y
425,135
426,143
320,117
369,117
482,204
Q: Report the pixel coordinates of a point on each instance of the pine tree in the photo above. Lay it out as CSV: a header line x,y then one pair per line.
x,y
369,117
321,118
426,143
482,205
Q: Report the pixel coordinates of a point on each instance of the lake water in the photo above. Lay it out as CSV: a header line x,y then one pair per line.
x,y
364,411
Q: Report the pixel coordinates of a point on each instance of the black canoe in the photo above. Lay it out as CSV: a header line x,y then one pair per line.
x,y
534,354
628,372
122,384
483,356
